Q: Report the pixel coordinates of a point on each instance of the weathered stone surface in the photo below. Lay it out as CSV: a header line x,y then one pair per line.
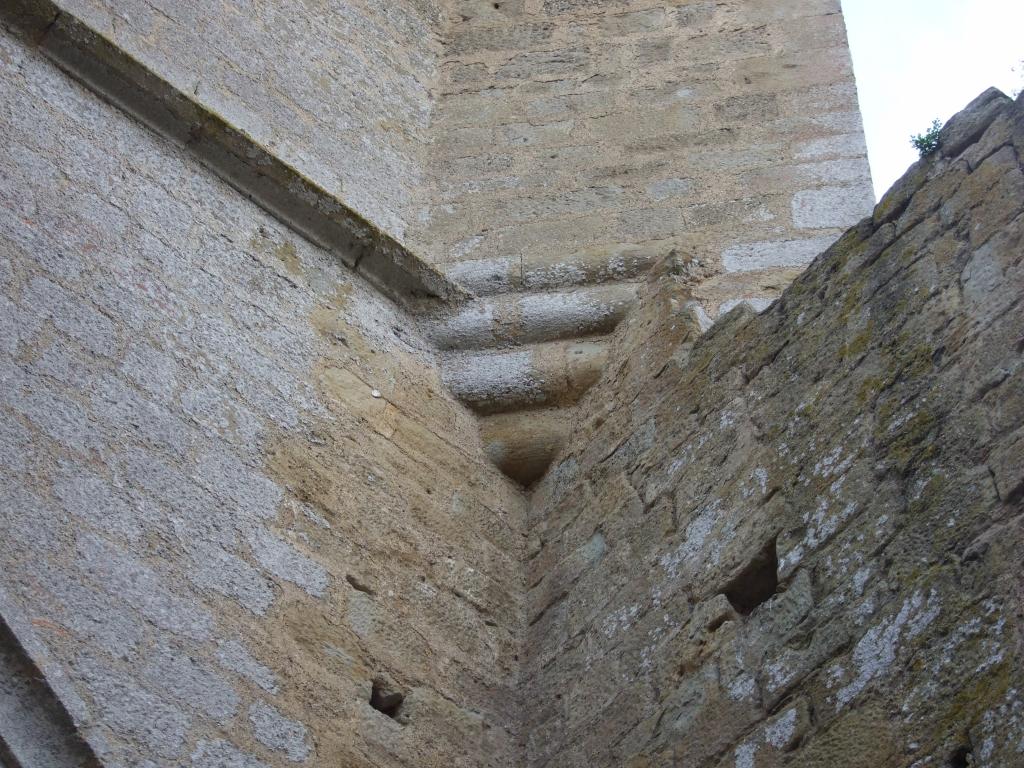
x,y
968,126
218,534
294,74
36,730
728,129
650,126
808,517
245,523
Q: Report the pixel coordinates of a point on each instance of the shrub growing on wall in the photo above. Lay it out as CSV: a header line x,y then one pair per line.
x,y
927,142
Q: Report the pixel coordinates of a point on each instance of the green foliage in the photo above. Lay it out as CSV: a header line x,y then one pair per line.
x,y
927,142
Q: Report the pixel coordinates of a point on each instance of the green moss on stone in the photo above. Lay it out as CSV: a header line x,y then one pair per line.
x,y
931,495
853,300
859,344
870,388
904,448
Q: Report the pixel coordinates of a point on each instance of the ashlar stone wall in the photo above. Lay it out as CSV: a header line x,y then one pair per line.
x,y
243,523
795,540
342,91
580,142
246,525
530,144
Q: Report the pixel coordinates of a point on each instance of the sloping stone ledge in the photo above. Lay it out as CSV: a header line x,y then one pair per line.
x,y
235,156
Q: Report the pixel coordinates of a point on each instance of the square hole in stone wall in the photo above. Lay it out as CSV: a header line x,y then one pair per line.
x,y
385,699
756,583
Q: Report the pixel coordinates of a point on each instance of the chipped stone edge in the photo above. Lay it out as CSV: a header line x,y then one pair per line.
x,y
109,71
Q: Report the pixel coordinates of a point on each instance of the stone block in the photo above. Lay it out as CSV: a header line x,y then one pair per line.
x,y
830,207
214,431
750,257
279,733
970,124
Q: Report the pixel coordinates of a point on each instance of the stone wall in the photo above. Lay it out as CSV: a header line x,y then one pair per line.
x,y
578,142
341,91
795,540
542,142
243,523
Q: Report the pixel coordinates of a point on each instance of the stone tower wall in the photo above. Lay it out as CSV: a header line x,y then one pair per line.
x,y
247,519
558,138
579,141
342,93
233,493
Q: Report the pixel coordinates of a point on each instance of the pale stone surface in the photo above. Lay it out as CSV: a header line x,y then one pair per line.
x,y
36,730
651,128
220,754
293,74
829,207
278,732
194,466
751,257
233,655
686,126
239,501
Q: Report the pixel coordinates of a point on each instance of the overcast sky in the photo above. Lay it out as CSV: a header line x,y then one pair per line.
x,y
917,60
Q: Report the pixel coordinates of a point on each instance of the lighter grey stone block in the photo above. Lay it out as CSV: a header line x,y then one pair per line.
x,y
287,563
71,315
191,682
666,188
221,754
831,207
213,568
278,732
235,656
132,712
126,578
751,257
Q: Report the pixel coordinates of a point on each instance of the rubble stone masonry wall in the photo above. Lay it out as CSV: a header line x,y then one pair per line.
x,y
233,493
795,540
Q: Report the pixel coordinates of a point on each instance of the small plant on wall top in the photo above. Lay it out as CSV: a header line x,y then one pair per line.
x,y
927,142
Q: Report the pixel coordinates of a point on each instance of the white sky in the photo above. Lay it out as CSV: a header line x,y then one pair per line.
x,y
917,60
